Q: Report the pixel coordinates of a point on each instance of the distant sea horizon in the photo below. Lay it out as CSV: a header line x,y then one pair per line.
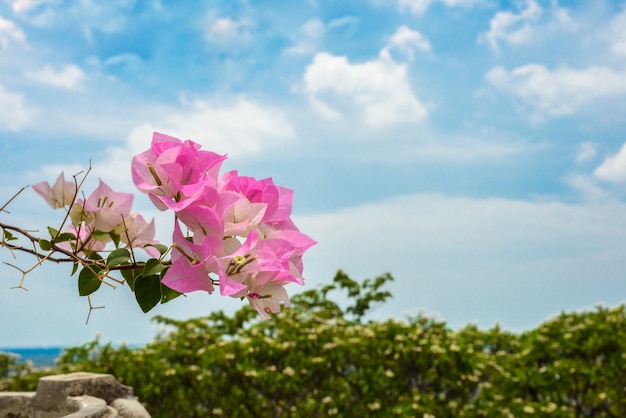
x,y
44,356
39,356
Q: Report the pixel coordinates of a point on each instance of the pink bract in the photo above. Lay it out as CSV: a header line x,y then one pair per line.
x,y
103,210
192,263
136,232
267,299
59,195
278,199
176,174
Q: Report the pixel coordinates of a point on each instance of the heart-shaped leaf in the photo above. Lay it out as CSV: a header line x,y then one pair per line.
x,y
152,267
88,282
45,245
118,257
131,277
148,292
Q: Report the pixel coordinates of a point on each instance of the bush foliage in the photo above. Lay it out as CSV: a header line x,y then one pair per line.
x,y
317,359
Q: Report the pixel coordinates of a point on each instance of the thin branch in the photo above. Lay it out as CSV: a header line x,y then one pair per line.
x,y
91,308
35,239
118,281
71,254
25,272
132,253
69,209
2,209
21,285
87,265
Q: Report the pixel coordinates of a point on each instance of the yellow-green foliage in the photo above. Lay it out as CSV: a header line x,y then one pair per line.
x,y
317,360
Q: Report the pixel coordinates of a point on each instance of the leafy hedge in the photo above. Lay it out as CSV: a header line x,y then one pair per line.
x,y
316,359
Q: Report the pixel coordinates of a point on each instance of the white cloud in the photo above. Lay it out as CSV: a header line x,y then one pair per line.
x,y
313,28
70,77
616,34
407,41
239,127
343,23
23,6
418,7
457,150
226,30
15,114
531,24
312,32
88,15
513,28
470,259
379,88
586,152
560,92
10,32
613,168
588,187
92,15
324,109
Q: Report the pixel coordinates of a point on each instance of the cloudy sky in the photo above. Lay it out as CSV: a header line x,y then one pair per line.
x,y
474,149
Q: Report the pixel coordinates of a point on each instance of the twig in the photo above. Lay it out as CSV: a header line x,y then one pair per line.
x,y
21,285
69,209
130,246
2,209
91,308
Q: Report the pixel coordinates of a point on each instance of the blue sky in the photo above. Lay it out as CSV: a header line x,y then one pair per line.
x,y
472,148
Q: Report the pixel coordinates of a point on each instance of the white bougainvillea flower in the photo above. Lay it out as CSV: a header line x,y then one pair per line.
x,y
59,195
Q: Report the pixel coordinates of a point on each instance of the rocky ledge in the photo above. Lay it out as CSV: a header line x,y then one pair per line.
x,y
74,395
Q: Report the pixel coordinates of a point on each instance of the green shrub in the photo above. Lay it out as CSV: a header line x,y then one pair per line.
x,y
316,359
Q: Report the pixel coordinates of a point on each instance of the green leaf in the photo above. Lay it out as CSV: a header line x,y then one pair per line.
x,y
148,292
9,236
118,257
92,255
88,282
65,236
162,248
115,238
45,245
74,268
131,277
53,232
167,294
152,267
99,235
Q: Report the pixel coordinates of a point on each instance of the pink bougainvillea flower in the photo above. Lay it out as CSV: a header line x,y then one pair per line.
x,y
263,259
288,246
85,241
288,256
59,195
176,174
240,230
103,210
138,233
192,263
266,300
202,221
278,199
239,214
251,260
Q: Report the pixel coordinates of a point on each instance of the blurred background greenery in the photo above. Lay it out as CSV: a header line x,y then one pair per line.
x,y
318,359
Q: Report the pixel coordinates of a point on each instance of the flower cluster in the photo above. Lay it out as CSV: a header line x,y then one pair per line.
x,y
232,231
105,216
238,231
